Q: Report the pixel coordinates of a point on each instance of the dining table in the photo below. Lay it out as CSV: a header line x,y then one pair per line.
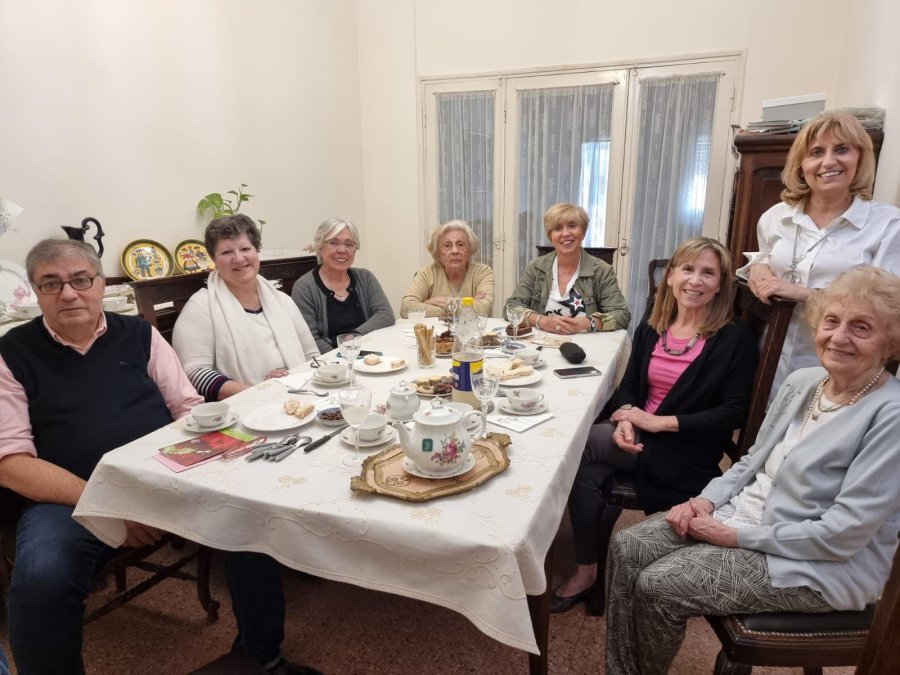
x,y
482,553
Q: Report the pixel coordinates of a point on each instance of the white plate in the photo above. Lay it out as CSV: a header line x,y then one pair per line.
x,y
501,332
190,424
340,383
273,418
536,410
390,434
449,393
14,287
410,467
384,366
534,378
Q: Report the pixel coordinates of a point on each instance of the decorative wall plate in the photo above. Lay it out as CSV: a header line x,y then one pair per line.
x,y
191,256
147,259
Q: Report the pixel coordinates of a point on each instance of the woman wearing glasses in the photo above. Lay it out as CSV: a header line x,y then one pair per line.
x,y
452,275
238,330
334,298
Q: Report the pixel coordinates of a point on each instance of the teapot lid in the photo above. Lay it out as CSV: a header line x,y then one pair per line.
x,y
437,413
403,387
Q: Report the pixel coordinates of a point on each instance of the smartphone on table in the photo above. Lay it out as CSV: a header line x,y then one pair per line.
x,y
576,371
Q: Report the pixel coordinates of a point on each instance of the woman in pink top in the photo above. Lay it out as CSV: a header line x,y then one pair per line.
x,y
685,390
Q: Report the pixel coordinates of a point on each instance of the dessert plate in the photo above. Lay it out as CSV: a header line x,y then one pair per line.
x,y
390,434
384,366
273,418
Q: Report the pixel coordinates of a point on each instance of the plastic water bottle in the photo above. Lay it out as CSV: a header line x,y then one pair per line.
x,y
468,354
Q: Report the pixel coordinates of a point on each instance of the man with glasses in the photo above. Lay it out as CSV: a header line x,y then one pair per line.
x,y
74,384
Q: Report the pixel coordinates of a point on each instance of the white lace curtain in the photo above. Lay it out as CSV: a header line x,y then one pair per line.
x,y
563,157
676,118
465,123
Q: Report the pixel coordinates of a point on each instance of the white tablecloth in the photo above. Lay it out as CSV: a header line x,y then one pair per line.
x,y
479,553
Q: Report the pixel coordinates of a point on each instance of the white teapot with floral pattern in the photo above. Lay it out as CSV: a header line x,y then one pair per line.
x,y
439,444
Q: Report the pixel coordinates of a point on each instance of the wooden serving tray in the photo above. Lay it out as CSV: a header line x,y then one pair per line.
x,y
384,474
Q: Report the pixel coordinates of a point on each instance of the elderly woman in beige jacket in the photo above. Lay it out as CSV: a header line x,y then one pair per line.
x,y
452,275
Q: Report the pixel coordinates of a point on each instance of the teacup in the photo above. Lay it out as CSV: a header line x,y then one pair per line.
x,y
210,414
114,303
29,309
332,372
372,428
523,400
528,355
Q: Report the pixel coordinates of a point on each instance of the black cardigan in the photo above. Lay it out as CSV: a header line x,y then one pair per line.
x,y
710,401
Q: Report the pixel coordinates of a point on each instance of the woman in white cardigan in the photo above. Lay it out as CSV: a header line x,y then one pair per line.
x,y
807,521
239,330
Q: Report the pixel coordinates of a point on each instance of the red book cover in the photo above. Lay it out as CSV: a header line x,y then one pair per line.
x,y
203,448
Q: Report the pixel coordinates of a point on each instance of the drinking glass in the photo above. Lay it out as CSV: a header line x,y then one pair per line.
x,y
485,388
514,314
349,344
356,401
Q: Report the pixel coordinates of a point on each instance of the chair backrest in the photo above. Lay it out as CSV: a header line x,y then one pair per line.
x,y
177,290
881,653
605,253
770,323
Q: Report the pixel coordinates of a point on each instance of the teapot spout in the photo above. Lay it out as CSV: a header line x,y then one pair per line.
x,y
405,438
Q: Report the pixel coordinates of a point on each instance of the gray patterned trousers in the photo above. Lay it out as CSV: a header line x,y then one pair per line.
x,y
657,581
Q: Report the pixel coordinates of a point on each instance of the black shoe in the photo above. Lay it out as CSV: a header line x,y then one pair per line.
x,y
285,667
559,604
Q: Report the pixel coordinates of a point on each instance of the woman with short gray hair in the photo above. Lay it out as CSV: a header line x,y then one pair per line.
x,y
452,275
335,299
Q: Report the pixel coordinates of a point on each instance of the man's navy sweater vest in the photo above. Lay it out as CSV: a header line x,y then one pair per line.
x,y
82,406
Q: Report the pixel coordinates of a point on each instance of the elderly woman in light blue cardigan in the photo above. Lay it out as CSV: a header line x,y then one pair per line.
x,y
335,299
807,521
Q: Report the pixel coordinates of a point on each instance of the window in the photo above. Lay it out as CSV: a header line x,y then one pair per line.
x,y
644,151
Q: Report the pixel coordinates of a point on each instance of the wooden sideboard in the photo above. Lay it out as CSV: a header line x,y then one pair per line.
x,y
757,185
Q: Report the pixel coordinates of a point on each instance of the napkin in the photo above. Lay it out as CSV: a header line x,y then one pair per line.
x,y
295,380
518,423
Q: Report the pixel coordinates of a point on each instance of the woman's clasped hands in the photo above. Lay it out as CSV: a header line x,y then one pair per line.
x,y
694,518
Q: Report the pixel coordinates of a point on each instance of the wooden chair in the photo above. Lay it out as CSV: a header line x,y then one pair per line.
x,y
605,253
10,506
174,292
770,323
881,652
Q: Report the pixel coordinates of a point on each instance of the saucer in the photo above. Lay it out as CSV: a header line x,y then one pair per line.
x,y
190,424
390,434
537,410
325,383
410,467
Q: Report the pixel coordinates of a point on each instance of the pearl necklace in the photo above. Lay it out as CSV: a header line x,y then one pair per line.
x,y
815,406
677,352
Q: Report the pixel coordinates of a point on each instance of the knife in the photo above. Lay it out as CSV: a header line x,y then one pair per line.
x,y
321,441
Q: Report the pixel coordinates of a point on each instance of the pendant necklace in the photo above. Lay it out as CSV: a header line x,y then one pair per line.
x,y
677,352
791,275
815,409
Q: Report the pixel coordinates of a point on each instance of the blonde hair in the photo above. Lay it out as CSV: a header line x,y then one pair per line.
x,y
720,310
441,230
559,213
866,284
845,129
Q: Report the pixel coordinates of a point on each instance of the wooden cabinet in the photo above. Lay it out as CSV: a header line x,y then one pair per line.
x,y
757,185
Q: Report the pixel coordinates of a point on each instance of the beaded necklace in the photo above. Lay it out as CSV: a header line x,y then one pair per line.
x,y
677,352
815,406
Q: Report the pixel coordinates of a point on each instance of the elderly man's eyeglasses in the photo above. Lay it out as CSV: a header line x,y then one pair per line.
x,y
335,244
55,286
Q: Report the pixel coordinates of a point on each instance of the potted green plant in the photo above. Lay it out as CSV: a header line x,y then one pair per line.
x,y
214,205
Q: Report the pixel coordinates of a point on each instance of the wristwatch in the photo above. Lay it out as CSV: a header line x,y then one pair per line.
x,y
627,406
592,327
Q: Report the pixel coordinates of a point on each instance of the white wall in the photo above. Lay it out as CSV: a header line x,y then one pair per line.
x,y
131,111
792,48
870,75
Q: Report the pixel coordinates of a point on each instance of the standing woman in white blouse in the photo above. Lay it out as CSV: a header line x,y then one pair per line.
x,y
825,224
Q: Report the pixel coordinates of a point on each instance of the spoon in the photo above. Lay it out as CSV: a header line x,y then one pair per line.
x,y
284,452
306,391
